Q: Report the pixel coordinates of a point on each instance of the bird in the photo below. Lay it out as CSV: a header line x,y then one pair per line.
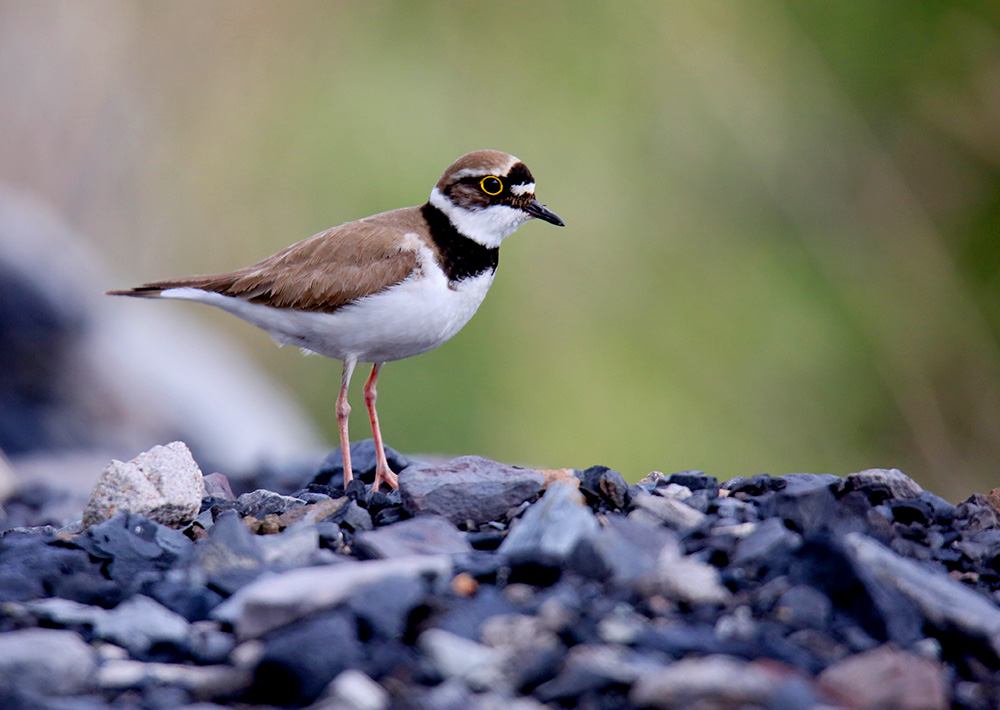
x,y
382,288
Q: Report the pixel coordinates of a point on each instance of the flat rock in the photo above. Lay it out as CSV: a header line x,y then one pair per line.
x,y
139,624
163,484
469,489
945,603
424,535
551,528
46,662
274,600
887,677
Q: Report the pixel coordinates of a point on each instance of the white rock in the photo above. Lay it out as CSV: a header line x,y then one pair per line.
x,y
163,484
354,689
457,657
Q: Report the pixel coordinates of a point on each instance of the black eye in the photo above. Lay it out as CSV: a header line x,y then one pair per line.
x,y
491,185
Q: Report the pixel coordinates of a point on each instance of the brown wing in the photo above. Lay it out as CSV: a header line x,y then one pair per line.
x,y
322,273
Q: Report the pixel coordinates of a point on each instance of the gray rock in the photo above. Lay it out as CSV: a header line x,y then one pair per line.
x,y
688,579
551,528
274,600
882,482
593,668
217,486
140,623
163,484
770,540
424,535
262,502
203,682
228,547
623,550
675,513
467,489
353,517
295,546
945,603
46,662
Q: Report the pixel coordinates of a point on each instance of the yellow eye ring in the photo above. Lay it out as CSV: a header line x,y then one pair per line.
x,y
494,183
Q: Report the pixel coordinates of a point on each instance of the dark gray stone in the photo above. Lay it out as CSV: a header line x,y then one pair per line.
x,y
299,661
424,535
603,487
469,489
331,471
134,545
353,517
551,528
230,556
944,603
384,606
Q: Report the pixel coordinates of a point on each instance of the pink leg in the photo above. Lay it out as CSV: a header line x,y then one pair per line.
x,y
383,474
343,412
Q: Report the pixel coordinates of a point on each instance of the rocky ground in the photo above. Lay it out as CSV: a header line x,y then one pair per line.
x,y
481,585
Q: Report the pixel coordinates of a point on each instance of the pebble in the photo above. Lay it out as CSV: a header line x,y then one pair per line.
x,y
426,535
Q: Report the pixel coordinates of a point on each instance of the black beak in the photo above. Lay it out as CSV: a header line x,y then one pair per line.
x,y
537,209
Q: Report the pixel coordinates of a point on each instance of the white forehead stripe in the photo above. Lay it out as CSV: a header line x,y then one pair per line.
x,y
526,189
499,170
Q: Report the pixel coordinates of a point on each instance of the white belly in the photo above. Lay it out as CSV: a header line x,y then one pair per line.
x,y
411,318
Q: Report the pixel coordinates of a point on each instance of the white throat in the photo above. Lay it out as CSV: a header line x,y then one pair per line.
x,y
488,226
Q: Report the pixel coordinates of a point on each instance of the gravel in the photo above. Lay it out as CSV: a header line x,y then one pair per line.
x,y
483,585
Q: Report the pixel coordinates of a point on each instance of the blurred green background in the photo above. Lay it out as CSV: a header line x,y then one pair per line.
x,y
781,250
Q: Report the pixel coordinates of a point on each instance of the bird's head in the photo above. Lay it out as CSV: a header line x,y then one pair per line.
x,y
487,195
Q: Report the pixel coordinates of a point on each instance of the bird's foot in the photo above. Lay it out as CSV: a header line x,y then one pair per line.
x,y
386,476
